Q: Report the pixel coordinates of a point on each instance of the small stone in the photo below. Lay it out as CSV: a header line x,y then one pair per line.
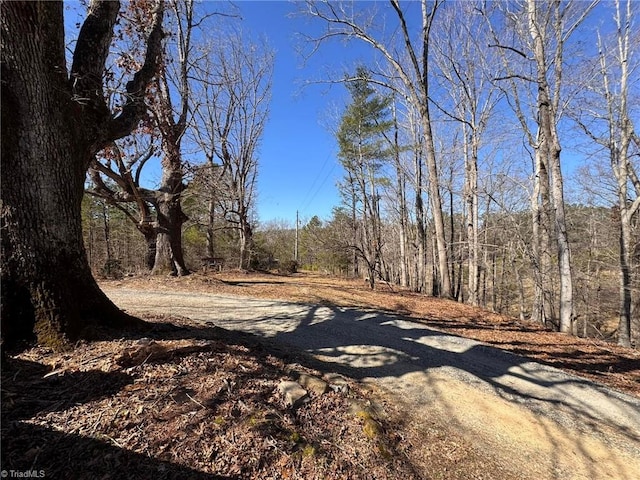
x,y
337,383
294,394
316,385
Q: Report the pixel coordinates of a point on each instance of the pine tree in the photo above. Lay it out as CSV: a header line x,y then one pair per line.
x,y
363,151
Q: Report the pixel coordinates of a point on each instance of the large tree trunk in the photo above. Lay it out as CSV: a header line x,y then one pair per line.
x,y
435,199
245,241
48,141
624,324
169,256
211,232
48,292
421,234
148,229
543,304
170,217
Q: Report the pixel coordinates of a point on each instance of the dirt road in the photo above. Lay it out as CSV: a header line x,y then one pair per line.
x,y
533,419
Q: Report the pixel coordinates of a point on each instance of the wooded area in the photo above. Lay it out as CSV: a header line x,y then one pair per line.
x,y
452,144
496,230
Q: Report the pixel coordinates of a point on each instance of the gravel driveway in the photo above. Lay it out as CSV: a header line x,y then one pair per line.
x,y
543,422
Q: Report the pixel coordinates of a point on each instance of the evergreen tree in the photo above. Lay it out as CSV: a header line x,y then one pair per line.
x,y
363,151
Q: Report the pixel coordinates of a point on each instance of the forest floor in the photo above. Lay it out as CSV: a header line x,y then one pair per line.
x,y
182,401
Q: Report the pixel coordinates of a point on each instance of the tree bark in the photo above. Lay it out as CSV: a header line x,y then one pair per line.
x,y
246,239
542,311
168,252
170,217
549,148
622,167
49,137
421,234
43,258
624,324
471,196
403,218
430,152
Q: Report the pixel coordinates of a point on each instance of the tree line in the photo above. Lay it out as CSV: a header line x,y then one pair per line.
x,y
451,144
463,117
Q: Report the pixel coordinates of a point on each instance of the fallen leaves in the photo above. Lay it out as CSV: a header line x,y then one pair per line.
x,y
181,403
194,402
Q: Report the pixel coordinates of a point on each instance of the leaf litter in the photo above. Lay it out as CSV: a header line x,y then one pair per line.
x,y
184,401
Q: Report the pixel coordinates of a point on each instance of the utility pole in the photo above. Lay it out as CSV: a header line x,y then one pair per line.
x,y
295,250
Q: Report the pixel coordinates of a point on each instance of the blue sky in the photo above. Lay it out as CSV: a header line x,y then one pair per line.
x,y
298,168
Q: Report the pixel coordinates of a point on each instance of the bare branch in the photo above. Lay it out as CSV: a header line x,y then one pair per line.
x,y
512,49
512,76
122,124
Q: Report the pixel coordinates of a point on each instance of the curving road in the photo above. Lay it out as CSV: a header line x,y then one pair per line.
x,y
535,420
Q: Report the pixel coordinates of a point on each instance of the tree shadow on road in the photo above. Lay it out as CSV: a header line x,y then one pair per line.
x,y
378,345
371,344
374,345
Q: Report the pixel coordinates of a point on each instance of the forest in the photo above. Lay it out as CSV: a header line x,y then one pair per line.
x,y
156,325
458,142
452,142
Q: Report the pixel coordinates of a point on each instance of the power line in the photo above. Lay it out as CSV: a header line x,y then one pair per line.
x,y
324,164
305,205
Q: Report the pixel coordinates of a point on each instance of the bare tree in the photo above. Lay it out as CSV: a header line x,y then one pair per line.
x,y
465,64
157,212
232,114
400,198
208,188
411,67
608,123
171,118
58,114
419,186
115,176
542,30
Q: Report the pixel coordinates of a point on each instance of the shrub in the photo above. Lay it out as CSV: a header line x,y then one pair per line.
x,y
290,266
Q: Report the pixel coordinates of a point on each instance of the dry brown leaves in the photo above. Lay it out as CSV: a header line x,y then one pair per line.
x,y
184,402
193,402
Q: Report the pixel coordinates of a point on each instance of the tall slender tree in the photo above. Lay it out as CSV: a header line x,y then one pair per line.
x,y
540,32
407,55
464,65
607,121
363,149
